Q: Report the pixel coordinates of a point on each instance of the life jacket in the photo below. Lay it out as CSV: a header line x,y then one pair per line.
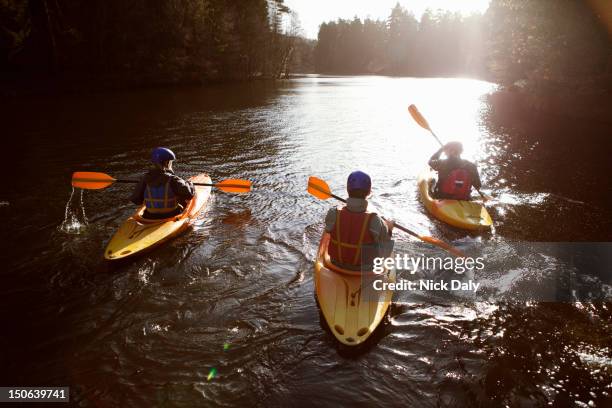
x,y
457,185
160,199
351,232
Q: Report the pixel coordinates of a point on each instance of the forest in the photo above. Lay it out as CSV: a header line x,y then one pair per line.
x,y
440,44
146,42
551,55
556,40
540,45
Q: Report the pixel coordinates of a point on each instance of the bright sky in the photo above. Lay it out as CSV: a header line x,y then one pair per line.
x,y
314,12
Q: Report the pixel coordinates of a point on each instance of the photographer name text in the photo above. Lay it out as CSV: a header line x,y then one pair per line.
x,y
427,285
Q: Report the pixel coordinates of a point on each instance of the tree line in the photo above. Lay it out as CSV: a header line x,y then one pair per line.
x,y
544,42
535,40
149,41
548,42
440,44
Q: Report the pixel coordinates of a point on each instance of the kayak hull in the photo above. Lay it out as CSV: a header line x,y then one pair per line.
x,y
138,234
348,302
468,215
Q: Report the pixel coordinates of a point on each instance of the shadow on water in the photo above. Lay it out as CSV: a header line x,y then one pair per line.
x,y
545,161
148,332
237,218
535,350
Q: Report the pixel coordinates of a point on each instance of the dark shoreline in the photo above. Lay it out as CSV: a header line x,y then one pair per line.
x,y
19,87
563,103
590,105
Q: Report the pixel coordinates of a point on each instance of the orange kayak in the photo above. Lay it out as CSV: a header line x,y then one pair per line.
x,y
469,215
138,234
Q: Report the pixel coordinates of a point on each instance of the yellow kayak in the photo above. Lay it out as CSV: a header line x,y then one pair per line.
x,y
138,234
348,302
469,215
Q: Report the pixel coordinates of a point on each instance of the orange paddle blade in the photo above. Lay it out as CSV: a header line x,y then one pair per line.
x,y
91,180
418,118
234,186
443,245
318,188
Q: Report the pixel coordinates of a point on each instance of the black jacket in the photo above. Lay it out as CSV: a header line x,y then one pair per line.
x,y
184,190
444,167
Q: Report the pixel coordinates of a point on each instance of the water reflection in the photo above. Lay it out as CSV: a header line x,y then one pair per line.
x,y
242,217
148,332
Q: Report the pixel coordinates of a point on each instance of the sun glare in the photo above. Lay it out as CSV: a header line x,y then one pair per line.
x,y
314,12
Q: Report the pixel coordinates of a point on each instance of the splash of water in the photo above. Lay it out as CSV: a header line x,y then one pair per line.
x,y
75,219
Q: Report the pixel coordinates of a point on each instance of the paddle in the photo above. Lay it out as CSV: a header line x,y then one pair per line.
x,y
95,181
320,189
422,122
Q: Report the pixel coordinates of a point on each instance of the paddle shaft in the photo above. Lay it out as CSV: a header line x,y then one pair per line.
x,y
436,137
136,181
406,230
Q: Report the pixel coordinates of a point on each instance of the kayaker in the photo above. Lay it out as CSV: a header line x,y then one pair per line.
x,y
456,176
353,228
163,193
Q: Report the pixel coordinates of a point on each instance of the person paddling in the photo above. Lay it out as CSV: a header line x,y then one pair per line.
x,y
353,228
163,193
456,176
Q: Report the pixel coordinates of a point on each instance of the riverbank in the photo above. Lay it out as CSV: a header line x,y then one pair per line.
x,y
584,101
22,86
577,101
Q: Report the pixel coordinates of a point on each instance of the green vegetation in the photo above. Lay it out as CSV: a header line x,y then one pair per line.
x,y
146,41
544,40
554,51
552,56
549,55
559,41
443,44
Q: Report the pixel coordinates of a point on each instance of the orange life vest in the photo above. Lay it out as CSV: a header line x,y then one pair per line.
x,y
350,233
160,199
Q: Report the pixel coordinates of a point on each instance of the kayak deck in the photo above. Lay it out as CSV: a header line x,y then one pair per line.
x,y
350,305
469,215
137,234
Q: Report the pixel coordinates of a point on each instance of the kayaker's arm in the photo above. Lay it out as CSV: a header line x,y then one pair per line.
x,y
434,160
183,189
137,196
476,183
390,226
380,229
330,219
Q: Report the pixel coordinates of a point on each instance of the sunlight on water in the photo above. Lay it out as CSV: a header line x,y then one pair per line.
x,y
510,198
595,357
145,272
452,111
75,219
244,275
344,124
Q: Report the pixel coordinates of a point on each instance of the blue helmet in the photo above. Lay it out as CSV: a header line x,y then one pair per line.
x,y
162,154
358,180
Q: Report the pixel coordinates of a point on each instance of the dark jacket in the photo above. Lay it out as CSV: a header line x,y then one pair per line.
x,y
184,190
444,167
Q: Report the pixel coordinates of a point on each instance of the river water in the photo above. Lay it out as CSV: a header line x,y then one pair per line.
x,y
235,294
